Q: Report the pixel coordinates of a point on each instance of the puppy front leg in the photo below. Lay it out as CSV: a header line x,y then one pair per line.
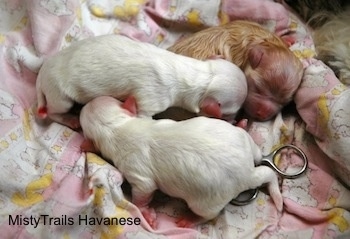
x,y
142,198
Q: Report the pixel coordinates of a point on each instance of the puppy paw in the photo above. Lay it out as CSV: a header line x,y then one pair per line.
x,y
185,223
150,215
42,112
243,123
73,123
189,221
88,146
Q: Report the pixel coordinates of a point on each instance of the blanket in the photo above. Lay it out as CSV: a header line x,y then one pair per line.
x,y
50,189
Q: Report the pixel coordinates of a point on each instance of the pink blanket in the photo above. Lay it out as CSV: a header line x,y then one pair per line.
x,y
49,189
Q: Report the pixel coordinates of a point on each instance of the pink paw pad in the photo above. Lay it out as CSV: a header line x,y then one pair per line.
x,y
151,217
188,222
242,124
42,112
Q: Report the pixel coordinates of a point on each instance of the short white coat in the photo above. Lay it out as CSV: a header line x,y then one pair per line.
x,y
207,162
117,66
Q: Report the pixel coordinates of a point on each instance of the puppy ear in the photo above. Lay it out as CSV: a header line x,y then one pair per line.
x,y
130,105
255,56
288,40
211,107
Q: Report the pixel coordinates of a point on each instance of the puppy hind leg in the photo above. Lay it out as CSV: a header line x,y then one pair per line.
x,y
203,210
265,175
141,198
192,220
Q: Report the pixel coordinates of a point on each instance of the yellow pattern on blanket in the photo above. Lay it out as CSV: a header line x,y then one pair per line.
x,y
33,192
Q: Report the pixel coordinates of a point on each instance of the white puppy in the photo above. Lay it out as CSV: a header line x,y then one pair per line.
x,y
207,162
117,66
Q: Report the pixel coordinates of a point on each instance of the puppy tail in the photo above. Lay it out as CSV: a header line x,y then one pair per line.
x,y
41,107
275,193
267,175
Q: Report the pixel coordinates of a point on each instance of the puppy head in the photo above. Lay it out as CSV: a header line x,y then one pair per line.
x,y
273,75
105,111
226,92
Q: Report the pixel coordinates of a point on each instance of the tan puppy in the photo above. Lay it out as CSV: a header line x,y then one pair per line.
x,y
273,72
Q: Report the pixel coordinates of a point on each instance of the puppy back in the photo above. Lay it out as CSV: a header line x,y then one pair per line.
x,y
231,40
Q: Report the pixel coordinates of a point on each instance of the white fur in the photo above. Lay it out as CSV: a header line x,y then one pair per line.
x,y
117,66
207,162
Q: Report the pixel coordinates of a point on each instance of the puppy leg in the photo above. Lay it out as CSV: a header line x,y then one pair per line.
x,y
141,198
204,209
265,175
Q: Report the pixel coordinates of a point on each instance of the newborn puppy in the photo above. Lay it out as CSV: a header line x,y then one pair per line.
x,y
117,66
273,72
205,161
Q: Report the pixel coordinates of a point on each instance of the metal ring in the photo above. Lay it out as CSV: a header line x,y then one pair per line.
x,y
301,154
253,193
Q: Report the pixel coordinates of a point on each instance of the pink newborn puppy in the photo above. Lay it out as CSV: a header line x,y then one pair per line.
x,y
117,66
205,161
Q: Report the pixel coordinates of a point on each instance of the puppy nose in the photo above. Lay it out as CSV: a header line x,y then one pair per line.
x,y
263,113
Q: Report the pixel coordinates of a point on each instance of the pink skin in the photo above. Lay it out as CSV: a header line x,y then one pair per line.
x,y
150,216
142,201
243,123
210,107
188,221
289,40
260,107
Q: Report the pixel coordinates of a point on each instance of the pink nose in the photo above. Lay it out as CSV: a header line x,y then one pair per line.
x,y
264,113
